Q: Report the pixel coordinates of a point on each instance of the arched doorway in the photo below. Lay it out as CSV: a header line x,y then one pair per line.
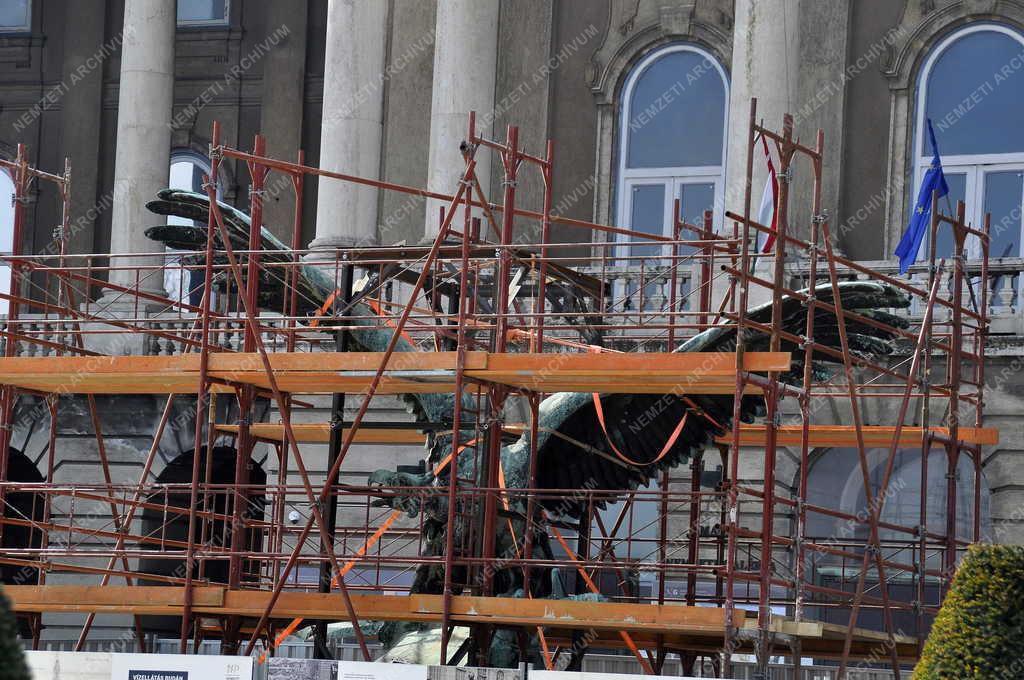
x,y
22,508
156,524
836,482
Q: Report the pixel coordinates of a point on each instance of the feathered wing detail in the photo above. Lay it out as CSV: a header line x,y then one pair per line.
x,y
575,452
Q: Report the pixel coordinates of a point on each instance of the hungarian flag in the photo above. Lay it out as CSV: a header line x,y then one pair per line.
x,y
768,211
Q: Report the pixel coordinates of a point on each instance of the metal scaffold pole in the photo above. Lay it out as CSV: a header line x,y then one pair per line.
x,y
544,516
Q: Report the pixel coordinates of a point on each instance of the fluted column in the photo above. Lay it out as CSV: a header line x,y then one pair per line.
x,y
350,135
765,64
465,58
142,160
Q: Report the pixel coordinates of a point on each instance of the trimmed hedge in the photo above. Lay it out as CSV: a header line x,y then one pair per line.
x,y
12,658
979,632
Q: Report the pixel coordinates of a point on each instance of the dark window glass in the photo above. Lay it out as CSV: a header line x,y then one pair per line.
x,y
648,216
677,114
957,182
202,11
1003,196
694,199
14,15
975,93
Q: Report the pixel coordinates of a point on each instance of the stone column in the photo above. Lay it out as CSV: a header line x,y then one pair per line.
x,y
350,136
82,39
142,161
765,64
465,58
284,80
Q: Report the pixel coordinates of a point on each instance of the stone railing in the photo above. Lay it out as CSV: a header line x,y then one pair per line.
x,y
640,295
1002,288
637,297
168,335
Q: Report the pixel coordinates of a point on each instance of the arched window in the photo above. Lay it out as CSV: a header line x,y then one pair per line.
x,y
674,106
6,232
187,171
672,143
836,482
971,86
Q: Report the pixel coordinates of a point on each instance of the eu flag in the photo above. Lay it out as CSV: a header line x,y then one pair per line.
x,y
920,221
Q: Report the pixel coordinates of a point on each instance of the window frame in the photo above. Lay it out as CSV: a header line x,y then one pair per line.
x,y
974,166
670,177
206,23
24,28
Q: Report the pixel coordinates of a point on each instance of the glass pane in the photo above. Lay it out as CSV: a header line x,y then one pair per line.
x,y
647,215
1003,194
14,14
975,91
187,176
182,284
957,182
676,114
6,233
694,199
202,10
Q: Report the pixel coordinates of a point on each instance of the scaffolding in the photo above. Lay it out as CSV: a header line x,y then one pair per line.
x,y
491,318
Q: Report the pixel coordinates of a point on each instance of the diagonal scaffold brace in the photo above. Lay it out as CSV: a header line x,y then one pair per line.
x,y
469,176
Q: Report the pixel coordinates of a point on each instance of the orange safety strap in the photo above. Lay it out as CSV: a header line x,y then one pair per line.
x,y
501,484
290,628
593,588
665,449
702,413
323,308
320,313
447,459
297,621
529,595
377,310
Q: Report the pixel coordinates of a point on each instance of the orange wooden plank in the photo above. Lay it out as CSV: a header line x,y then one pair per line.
x,y
214,600
320,433
694,627
413,372
846,435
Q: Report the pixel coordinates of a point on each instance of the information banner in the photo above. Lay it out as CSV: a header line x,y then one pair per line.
x,y
179,667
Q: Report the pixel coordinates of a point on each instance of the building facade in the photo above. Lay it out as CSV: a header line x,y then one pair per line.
x,y
646,101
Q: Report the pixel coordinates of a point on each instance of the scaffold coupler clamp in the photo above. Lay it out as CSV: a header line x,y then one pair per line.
x,y
467,149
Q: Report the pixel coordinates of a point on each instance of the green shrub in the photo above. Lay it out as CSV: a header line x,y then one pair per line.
x,y
12,658
979,632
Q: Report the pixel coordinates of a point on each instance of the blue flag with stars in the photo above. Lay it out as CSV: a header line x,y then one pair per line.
x,y
920,221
